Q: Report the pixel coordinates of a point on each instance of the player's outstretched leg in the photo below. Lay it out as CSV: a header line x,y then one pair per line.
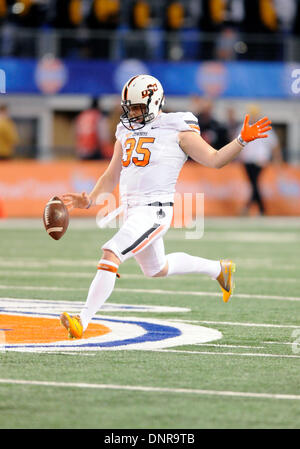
x,y
222,271
99,291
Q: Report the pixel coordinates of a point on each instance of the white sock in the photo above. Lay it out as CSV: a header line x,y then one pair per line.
x,y
99,291
182,263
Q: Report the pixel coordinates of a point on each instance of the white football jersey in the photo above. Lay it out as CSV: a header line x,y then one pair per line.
x,y
152,158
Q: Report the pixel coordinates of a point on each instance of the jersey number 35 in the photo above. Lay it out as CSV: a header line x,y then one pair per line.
x,y
132,144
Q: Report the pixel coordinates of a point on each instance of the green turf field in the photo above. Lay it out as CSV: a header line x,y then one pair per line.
x,y
250,378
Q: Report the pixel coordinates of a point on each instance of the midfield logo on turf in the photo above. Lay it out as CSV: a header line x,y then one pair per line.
x,y
33,326
2,340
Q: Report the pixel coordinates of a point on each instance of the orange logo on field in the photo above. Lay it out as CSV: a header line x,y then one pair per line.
x,y
28,329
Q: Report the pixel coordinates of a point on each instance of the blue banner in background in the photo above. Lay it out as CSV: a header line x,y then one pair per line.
x,y
216,79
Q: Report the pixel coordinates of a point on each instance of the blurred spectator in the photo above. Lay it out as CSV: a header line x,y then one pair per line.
x,y
296,34
18,20
224,18
261,19
212,131
232,17
211,18
255,156
64,13
9,137
232,124
285,11
296,24
66,16
225,45
92,134
89,28
102,19
137,46
173,23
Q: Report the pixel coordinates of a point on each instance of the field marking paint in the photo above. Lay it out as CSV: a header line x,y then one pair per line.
x,y
36,263
48,306
230,346
30,326
178,278
248,237
151,389
14,262
245,236
218,222
150,291
240,354
41,288
278,342
231,323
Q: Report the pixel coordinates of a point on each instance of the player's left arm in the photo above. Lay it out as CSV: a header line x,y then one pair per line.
x,y
200,151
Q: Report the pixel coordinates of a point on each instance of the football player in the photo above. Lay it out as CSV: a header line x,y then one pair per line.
x,y
150,149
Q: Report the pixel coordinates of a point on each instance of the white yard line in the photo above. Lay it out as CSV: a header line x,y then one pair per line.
x,y
60,274
150,291
246,237
242,263
238,354
229,346
217,294
36,351
40,288
231,323
151,389
89,275
39,263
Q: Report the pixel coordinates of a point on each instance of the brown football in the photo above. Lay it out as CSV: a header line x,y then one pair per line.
x,y
56,218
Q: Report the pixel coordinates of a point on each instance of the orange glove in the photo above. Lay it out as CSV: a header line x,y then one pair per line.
x,y
256,131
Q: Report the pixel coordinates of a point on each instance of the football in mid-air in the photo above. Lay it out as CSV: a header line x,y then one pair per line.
x,y
56,218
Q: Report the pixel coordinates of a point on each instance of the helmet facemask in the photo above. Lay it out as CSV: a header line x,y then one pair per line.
x,y
137,119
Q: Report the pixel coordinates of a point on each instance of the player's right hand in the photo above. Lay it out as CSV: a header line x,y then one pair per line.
x,y
76,200
257,130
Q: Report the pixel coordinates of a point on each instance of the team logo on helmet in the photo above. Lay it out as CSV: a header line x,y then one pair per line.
x,y
142,100
150,88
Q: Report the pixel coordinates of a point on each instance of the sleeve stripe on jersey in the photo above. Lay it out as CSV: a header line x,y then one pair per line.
x,y
193,122
195,127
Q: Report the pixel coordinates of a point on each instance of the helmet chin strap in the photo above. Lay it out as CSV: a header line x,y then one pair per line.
x,y
148,118
162,102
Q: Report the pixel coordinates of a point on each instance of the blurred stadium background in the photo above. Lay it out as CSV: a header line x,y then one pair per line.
x,y
65,61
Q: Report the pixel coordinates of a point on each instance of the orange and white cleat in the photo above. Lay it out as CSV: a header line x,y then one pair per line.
x,y
72,324
225,278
